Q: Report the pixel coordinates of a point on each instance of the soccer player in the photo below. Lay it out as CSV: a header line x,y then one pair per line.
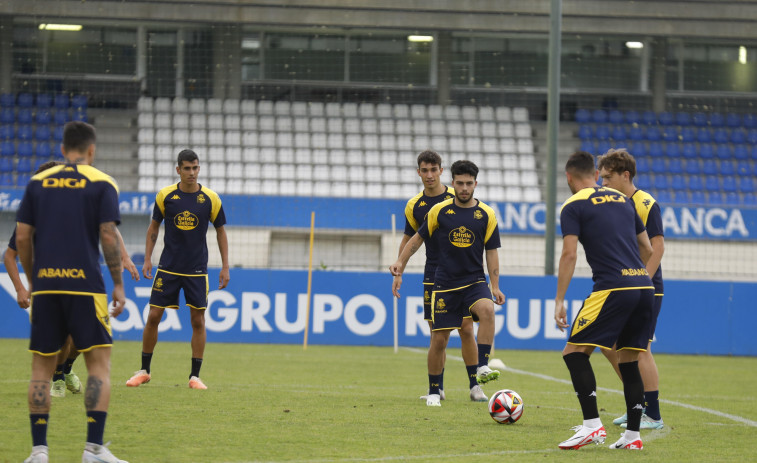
x,y
187,208
66,210
464,229
619,309
430,171
617,168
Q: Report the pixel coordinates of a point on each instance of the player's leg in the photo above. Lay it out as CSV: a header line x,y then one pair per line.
x,y
470,358
149,340
58,388
73,383
612,356
441,382
43,367
483,310
652,418
196,294
436,351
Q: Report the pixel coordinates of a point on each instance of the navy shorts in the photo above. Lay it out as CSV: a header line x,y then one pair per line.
x,y
655,314
451,306
427,289
166,287
54,316
621,317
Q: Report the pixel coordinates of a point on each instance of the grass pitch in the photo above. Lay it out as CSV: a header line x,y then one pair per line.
x,y
360,404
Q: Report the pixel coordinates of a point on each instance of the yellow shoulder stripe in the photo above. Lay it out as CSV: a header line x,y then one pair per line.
x,y
215,202
160,198
409,211
95,175
579,196
491,225
643,202
433,215
48,172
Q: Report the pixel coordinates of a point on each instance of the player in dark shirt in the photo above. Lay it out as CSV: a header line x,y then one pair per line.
x,y
619,309
617,169
186,208
65,213
464,229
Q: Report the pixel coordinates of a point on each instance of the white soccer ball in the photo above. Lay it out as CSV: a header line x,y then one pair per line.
x,y
506,406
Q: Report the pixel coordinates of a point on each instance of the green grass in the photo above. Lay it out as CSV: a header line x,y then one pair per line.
x,y
334,403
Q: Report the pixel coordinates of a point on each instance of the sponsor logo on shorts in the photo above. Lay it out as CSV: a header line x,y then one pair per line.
x,y
461,237
440,306
426,296
158,286
632,272
186,221
61,273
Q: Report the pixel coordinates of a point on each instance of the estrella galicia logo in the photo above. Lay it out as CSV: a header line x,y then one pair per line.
x,y
461,237
185,221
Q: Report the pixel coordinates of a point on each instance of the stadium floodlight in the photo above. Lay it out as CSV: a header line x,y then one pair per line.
x,y
420,38
60,27
634,45
742,54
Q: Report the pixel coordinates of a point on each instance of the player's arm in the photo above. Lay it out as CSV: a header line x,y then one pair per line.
x,y
126,261
152,237
645,249
223,247
492,265
22,295
398,278
658,249
564,274
410,248
111,242
24,233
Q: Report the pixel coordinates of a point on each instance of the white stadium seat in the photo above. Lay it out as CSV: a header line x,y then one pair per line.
x,y
469,113
520,114
214,106
163,120
146,152
233,138
503,114
230,106
248,107
179,105
146,136
282,108
197,105
215,121
146,120
233,153
418,112
145,104
162,105
264,108
180,121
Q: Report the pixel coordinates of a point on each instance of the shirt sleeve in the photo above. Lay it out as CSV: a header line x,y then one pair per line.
x,y
220,219
25,213
569,222
493,242
109,211
157,210
639,224
654,221
423,231
12,241
411,226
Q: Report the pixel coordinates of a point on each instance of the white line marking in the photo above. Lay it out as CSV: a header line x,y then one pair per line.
x,y
736,418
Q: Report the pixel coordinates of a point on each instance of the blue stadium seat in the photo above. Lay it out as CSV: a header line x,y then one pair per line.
x,y
61,117
655,150
749,199
24,165
649,117
688,134
25,100
695,183
711,183
6,164
24,116
664,197
723,152
738,136
80,116
727,168
678,182
42,133
599,116
680,197
699,119
7,100
715,198
697,197
743,168
658,166
632,117
24,132
25,149
44,101
749,121
7,132
585,132
583,116
615,117
661,181
729,184
43,150
618,133
587,146
6,179
683,119
22,179
635,133
704,136
689,150
7,116
61,101
602,132
753,153
7,148
670,133
717,120
706,151
643,182
642,165
733,120
38,163
746,185
710,167
653,134
720,136
57,155
603,147
675,166
751,137
58,133
637,149
666,118
693,167
43,117
732,199
740,152
672,150
79,102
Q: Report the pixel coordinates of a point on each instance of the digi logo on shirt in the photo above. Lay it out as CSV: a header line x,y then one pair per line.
x,y
76,183
186,221
608,199
461,237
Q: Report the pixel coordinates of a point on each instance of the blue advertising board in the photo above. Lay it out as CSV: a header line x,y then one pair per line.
x,y
349,308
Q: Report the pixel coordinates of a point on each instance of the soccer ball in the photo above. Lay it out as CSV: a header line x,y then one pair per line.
x,y
506,406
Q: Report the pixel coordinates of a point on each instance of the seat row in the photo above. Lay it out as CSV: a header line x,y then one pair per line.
x,y
670,133
27,149
701,198
665,118
25,116
61,101
674,150
319,109
725,184
23,165
695,167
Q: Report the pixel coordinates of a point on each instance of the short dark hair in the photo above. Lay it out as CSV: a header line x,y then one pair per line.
x,y
580,164
464,167
618,160
187,155
78,136
429,157
45,166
